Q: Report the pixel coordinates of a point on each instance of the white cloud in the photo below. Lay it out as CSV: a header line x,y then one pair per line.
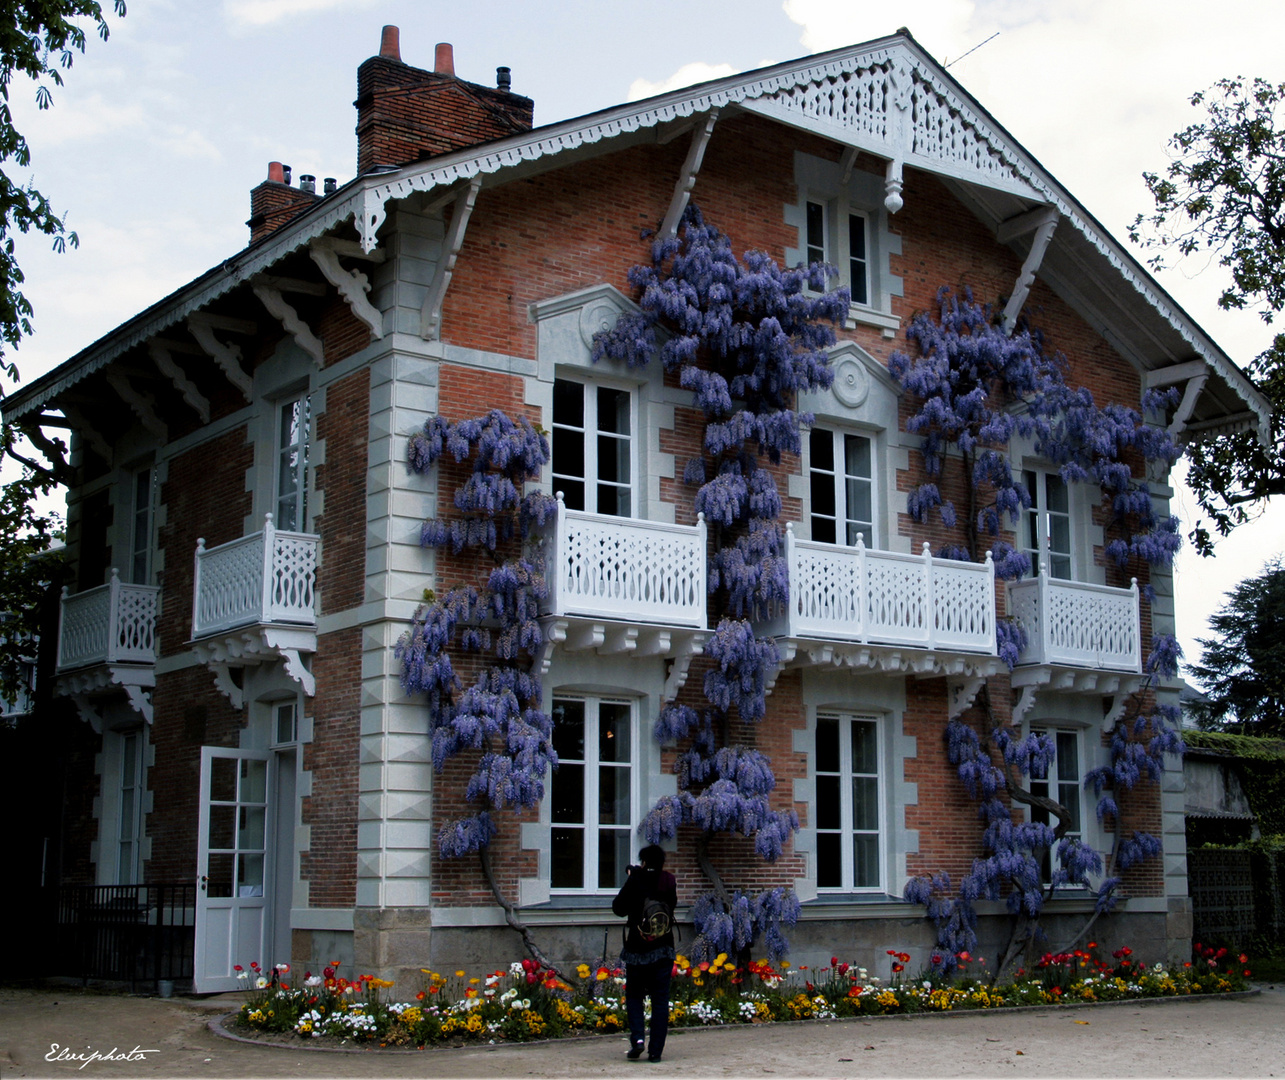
x,y
687,75
256,13
944,27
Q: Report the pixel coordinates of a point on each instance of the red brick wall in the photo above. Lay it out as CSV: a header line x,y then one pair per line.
x,y
341,577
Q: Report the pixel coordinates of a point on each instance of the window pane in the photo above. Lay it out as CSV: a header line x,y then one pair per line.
x,y
567,858
613,410
254,781
859,509
129,759
827,744
127,814
613,857
613,731
829,861
865,802
857,258
855,530
219,874
828,815
1059,534
250,833
222,831
856,455
821,449
816,232
223,779
568,794
865,861
568,729
1057,496
250,877
613,795
286,726
865,747
568,404
572,492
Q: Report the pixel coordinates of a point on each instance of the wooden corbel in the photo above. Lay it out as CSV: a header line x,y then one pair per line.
x,y
227,356
270,291
143,405
353,285
687,177
1042,220
430,316
166,366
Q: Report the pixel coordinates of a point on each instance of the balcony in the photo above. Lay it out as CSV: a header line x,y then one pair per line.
x,y
106,641
255,600
624,586
1078,625
886,610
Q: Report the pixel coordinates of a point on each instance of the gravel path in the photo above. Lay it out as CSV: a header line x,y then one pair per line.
x,y
1205,1037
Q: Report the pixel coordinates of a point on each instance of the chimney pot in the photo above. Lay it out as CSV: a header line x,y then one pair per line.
x,y
444,59
285,174
330,185
276,172
390,46
307,182
504,78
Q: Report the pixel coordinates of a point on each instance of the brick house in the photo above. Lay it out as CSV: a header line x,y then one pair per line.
x,y
244,528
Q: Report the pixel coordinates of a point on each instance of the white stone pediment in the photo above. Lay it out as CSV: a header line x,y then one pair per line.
x,y
862,389
565,325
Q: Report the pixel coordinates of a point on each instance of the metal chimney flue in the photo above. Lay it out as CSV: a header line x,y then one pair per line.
x,y
504,79
308,183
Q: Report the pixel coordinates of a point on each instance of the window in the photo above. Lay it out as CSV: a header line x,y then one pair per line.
x,y
1046,526
841,482
838,235
848,803
130,821
592,793
592,455
294,419
1060,781
140,539
286,722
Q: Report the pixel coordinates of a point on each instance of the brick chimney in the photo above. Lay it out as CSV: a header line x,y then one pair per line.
x,y
274,202
406,114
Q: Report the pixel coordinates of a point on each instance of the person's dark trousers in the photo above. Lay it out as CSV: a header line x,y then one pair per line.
x,y
643,981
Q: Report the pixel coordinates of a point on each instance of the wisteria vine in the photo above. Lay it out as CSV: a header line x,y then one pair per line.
x,y
499,716
979,388
746,337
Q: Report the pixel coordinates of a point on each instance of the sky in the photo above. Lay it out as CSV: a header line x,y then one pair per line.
x,y
158,135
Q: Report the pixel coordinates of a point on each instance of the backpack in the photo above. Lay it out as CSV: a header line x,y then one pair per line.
x,y
657,919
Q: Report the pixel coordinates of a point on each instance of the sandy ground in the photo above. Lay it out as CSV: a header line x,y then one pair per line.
x,y
1243,1037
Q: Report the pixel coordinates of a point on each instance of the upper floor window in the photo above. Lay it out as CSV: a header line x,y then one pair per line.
x,y
841,486
130,821
1060,781
848,806
593,457
140,540
294,421
839,235
592,793
1046,526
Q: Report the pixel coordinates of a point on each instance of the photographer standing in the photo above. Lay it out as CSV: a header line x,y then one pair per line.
x,y
647,899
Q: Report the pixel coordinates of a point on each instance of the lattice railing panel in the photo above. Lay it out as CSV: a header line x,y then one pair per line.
x,y
1078,624
853,594
621,568
266,577
112,623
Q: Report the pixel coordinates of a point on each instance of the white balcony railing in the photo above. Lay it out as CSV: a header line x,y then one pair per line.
x,y
621,568
852,594
110,624
1077,624
267,577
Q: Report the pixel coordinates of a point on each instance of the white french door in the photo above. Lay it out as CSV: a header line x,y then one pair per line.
x,y
232,910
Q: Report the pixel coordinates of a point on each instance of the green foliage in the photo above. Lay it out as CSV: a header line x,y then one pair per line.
x,y
27,568
1242,667
37,37
1223,195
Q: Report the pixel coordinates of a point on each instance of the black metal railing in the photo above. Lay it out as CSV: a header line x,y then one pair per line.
x,y
127,933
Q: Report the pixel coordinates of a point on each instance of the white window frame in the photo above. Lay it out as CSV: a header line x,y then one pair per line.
x,y
590,433
285,714
839,477
141,524
846,829
128,863
1039,517
295,498
1062,736
592,766
835,246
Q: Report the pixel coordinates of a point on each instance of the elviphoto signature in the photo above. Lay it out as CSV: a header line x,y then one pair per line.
x,y
89,1055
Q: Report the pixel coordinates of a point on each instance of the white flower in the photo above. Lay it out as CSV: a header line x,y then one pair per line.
x,y
242,976
260,983
515,969
509,994
313,980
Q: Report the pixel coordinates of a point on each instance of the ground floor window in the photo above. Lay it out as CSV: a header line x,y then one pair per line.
x,y
593,795
1061,780
848,806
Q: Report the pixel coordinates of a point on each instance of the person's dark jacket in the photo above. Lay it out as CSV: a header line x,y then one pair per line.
x,y
640,886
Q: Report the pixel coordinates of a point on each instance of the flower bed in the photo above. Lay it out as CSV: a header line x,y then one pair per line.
x,y
527,1002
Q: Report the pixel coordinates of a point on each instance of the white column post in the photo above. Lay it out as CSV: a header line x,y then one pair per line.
x,y
266,586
